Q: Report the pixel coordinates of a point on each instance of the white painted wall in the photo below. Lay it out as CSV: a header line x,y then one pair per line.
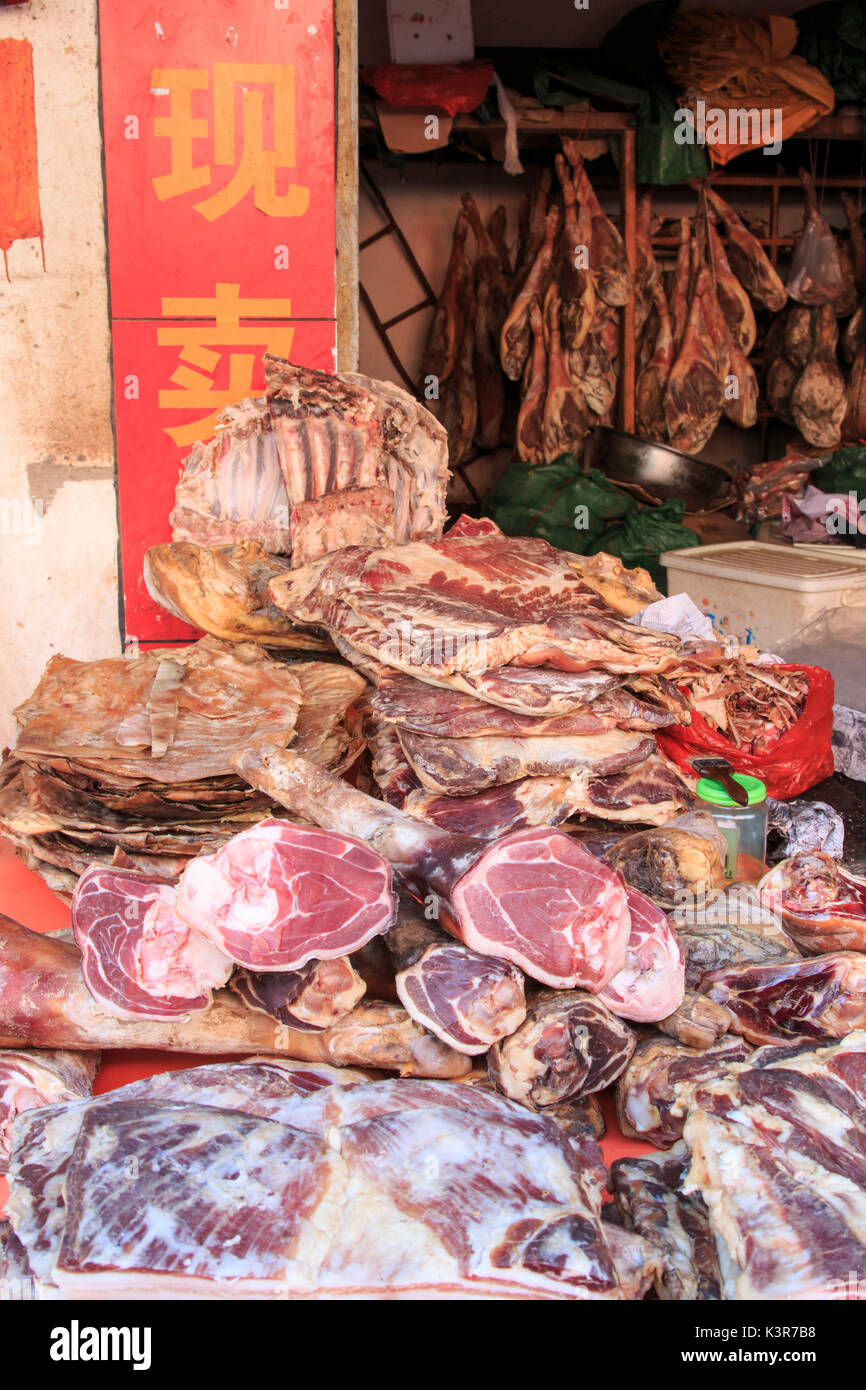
x,y
57,474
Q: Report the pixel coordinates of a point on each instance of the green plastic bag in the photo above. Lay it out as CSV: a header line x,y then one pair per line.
x,y
643,535
557,502
844,472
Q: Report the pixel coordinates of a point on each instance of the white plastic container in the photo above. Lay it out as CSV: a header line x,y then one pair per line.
x,y
761,593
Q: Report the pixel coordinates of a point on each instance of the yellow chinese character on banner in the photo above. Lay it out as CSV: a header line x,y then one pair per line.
x,y
237,134
195,343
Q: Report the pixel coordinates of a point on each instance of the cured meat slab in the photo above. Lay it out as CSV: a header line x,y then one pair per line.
x,y
822,905
777,1154
468,603
315,996
150,1203
661,1075
651,984
649,1198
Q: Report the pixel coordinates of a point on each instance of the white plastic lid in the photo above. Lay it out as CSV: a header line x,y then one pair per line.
x,y
809,568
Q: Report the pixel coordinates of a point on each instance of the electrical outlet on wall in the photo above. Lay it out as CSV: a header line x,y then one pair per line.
x,y
431,31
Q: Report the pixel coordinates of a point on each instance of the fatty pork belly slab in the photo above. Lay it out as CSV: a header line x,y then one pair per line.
x,y
44,1141
490,1201
461,766
182,1201
417,707
777,1155
468,603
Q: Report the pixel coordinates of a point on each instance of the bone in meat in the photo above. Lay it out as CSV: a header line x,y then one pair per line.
x,y
748,258
572,926
822,905
666,864
530,418
44,1003
569,1046
315,996
821,998
279,895
514,342
468,1000
446,330
649,1198
140,959
663,1073
31,1079
651,984
651,384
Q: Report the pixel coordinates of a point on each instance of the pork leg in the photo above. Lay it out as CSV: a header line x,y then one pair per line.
x,y
44,1003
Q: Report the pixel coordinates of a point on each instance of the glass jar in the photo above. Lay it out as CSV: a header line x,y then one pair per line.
x,y
744,827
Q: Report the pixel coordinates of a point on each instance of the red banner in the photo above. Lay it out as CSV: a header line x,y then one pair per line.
x,y
219,158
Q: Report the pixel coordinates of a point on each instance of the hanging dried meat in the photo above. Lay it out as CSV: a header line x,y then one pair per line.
x,y
446,331
748,258
515,340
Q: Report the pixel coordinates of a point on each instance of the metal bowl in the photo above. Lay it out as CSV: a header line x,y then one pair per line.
x,y
655,469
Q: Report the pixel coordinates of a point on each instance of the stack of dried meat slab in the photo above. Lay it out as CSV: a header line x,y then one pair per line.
x,y
128,760
509,691
319,462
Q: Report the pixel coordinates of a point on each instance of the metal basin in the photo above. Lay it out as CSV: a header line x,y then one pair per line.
x,y
659,471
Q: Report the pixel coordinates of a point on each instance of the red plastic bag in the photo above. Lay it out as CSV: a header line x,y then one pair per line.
x,y
451,87
798,760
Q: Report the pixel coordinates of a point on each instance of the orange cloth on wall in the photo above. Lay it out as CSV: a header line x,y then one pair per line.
x,y
20,214
743,61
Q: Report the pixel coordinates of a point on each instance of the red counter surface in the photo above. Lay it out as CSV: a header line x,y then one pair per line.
x,y
25,897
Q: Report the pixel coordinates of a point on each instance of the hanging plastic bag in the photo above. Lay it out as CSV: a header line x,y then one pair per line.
x,y
816,275
798,760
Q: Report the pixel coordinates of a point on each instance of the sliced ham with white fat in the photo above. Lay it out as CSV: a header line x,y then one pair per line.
x,y
651,984
139,959
279,895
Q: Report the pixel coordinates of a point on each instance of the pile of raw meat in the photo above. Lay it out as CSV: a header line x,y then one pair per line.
x,y
319,462
508,691
127,761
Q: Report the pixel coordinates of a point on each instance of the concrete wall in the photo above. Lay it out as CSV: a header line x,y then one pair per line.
x,y
58,527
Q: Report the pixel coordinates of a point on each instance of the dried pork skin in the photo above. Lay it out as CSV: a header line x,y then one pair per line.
x,y
139,959
823,997
651,984
468,1000
660,1074
649,1197
777,1155
279,895
468,604
461,766
570,1046
535,898
229,695
29,1080
315,996
166,1199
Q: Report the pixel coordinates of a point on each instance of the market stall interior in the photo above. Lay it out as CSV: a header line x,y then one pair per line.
x,y
467,899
